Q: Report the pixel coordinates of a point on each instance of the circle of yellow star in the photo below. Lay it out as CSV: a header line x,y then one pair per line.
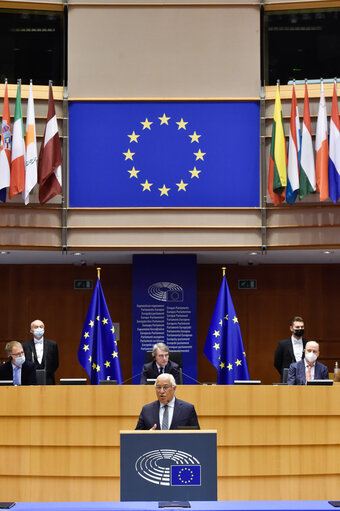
x,y
194,173
133,137
194,137
146,124
181,185
164,190
128,155
199,155
133,172
182,124
164,119
146,185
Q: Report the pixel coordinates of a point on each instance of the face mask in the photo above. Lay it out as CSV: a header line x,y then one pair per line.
x,y
310,357
300,332
38,332
19,360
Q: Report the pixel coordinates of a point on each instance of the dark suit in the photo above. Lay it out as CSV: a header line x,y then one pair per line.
x,y
284,354
50,360
28,375
297,373
184,415
150,370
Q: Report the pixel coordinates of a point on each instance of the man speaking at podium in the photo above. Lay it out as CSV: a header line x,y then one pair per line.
x,y
167,412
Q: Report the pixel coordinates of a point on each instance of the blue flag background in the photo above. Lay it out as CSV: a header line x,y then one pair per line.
x,y
164,154
224,345
185,475
98,350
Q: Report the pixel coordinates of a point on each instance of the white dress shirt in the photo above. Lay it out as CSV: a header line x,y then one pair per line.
x,y
297,348
39,348
171,407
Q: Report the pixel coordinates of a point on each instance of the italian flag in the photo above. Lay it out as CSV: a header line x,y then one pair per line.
x,y
277,174
17,183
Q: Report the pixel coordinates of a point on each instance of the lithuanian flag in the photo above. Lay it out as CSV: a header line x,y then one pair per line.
x,y
277,174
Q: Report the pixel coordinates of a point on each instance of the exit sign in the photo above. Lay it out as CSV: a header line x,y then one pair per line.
x,y
247,284
83,284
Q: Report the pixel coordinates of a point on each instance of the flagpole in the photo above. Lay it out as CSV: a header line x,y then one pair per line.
x,y
98,273
223,271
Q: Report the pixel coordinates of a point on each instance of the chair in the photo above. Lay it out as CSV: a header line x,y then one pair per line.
x,y
41,376
174,356
284,378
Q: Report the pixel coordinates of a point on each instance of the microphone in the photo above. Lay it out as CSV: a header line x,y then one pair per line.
x,y
180,370
132,377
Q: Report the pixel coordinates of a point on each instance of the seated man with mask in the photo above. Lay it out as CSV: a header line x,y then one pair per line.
x,y
308,368
19,370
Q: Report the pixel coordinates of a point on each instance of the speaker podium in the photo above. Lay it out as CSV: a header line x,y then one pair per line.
x,y
169,465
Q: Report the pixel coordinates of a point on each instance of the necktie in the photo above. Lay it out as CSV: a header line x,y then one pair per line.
x,y
15,376
161,370
309,375
165,424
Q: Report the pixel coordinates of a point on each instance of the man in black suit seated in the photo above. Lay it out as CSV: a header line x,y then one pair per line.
x,y
309,368
42,352
292,349
19,370
167,412
160,364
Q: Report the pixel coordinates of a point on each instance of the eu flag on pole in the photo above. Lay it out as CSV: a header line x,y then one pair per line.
x,y
224,345
98,350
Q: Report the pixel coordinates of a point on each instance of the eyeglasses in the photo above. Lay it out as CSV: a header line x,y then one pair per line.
x,y
164,387
15,355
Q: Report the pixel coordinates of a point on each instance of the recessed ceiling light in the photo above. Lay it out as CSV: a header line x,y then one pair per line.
x,y
3,252
327,252
78,253
252,253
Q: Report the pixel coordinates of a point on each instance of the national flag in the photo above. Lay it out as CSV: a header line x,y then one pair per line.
x,y
17,183
50,158
5,149
321,148
31,148
185,475
224,345
293,169
334,150
98,349
277,174
307,167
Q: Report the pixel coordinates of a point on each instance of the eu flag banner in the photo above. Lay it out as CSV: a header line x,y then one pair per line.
x,y
224,345
185,475
164,154
98,350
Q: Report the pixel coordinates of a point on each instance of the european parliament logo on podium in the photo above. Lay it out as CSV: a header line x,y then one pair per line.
x,y
168,465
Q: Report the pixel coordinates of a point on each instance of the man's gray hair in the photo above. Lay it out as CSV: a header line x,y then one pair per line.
x,y
159,346
171,378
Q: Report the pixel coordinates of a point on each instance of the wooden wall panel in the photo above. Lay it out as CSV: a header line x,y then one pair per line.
x,y
46,292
